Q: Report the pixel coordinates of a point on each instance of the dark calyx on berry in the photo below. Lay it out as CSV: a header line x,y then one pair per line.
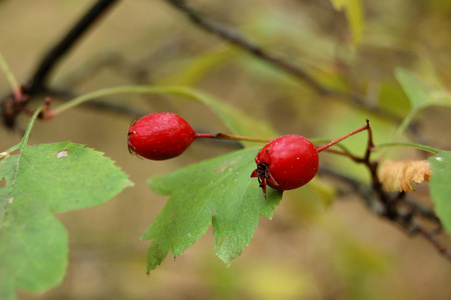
x,y
160,136
287,162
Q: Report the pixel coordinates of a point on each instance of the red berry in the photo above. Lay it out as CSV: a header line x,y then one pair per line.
x,y
286,163
160,136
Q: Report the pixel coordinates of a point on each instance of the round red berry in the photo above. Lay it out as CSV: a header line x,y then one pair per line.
x,y
287,162
160,136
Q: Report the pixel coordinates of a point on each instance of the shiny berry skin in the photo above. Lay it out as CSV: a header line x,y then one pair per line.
x,y
287,162
160,136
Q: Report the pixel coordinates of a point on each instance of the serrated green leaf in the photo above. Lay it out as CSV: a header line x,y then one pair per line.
x,y
218,191
39,181
440,188
354,15
77,165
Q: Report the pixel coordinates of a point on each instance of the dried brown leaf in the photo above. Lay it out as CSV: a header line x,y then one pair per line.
x,y
399,175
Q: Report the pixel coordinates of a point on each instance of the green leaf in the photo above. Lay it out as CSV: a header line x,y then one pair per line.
x,y
198,67
440,188
39,181
420,94
354,14
218,191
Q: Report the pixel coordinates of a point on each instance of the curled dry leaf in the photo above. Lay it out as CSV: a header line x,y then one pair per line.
x,y
398,175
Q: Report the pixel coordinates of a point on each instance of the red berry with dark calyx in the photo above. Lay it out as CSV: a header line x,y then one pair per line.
x,y
160,136
287,162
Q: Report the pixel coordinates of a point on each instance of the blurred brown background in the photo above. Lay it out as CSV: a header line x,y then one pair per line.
x,y
308,250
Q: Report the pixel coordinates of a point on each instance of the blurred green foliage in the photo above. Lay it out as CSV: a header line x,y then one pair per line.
x,y
310,249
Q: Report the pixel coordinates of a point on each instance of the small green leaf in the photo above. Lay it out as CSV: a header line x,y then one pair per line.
x,y
420,94
354,14
218,191
39,181
198,67
440,187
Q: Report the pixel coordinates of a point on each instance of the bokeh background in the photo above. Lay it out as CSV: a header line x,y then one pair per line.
x,y
319,244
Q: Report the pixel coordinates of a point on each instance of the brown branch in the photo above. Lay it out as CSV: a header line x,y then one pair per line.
x,y
37,84
39,78
431,236
410,222
410,216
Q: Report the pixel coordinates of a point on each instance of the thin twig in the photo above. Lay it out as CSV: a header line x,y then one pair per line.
x,y
37,84
38,80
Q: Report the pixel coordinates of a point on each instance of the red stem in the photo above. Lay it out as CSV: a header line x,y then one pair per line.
x,y
324,147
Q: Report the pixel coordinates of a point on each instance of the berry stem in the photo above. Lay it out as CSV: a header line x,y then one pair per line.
x,y
324,147
225,136
20,146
